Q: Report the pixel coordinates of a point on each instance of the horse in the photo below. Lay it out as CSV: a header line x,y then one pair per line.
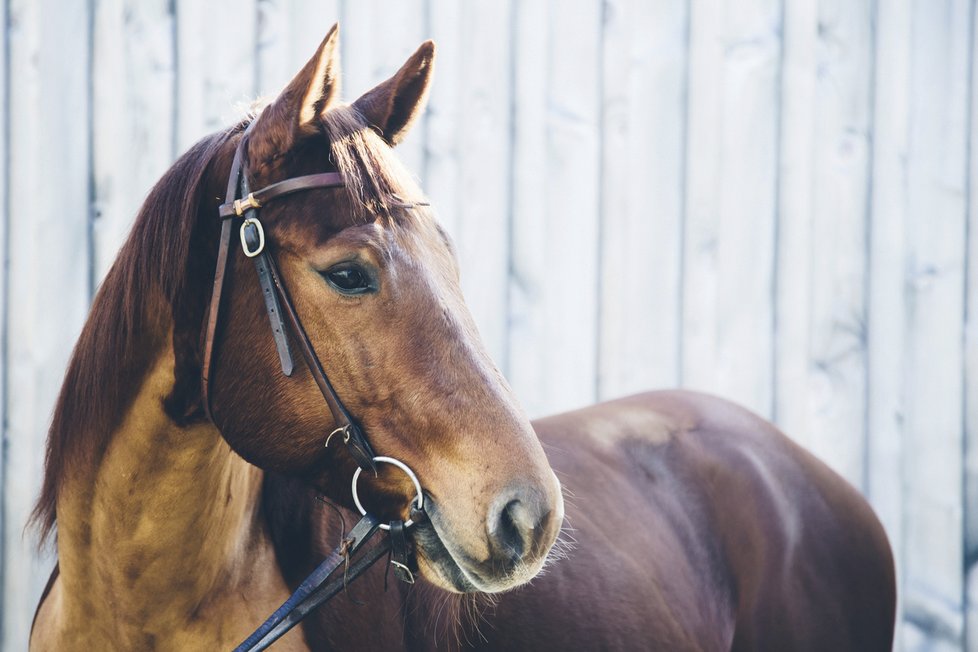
x,y
194,474
692,524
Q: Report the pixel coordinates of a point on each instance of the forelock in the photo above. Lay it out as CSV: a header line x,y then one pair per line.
x,y
376,180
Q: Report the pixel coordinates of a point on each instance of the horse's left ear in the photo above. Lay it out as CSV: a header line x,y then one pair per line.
x,y
296,110
394,105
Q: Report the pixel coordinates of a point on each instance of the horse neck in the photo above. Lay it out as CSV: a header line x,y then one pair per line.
x,y
166,520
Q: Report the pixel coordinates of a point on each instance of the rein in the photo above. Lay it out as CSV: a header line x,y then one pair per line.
x,y
243,205
312,592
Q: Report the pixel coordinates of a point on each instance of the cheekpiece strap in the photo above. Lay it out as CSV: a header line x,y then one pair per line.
x,y
253,244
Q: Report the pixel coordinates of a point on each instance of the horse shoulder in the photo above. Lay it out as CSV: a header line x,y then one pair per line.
x,y
642,569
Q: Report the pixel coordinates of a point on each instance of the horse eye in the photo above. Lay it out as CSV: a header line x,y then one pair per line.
x,y
348,279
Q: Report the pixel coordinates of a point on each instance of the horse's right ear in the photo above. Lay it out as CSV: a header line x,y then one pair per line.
x,y
295,112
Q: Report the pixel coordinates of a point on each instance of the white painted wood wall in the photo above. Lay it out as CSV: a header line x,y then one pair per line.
x,y
772,200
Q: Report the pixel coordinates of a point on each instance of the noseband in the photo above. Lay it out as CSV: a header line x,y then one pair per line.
x,y
244,205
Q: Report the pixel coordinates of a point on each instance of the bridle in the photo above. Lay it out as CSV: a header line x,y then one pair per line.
x,y
241,204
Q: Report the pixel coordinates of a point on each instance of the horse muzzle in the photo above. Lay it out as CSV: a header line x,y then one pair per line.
x,y
521,526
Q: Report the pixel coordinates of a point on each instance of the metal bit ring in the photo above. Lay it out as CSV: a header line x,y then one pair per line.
x,y
419,499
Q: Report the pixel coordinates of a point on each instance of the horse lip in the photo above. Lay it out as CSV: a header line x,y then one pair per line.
x,y
429,541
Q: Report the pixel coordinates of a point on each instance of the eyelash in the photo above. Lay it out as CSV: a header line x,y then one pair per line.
x,y
349,279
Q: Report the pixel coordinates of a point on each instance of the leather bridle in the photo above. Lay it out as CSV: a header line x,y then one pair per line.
x,y
241,204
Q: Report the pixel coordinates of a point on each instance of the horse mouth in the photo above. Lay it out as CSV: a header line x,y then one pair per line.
x,y
433,553
453,570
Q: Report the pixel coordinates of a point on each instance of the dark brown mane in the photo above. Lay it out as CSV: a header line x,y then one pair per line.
x,y
128,322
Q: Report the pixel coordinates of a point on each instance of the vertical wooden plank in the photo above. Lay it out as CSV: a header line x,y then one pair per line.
x,y
132,114
833,388
484,130
527,327
357,45
837,367
886,325
702,202
4,312
562,269
795,212
272,46
289,31
216,77
378,38
443,120
731,198
573,196
48,262
643,133
939,72
745,234
971,363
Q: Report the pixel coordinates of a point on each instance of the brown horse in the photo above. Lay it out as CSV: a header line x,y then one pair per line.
x,y
691,524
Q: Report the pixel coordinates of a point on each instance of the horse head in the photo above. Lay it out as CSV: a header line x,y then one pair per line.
x,y
375,283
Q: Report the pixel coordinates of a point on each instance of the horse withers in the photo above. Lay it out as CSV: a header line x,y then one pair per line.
x,y
694,524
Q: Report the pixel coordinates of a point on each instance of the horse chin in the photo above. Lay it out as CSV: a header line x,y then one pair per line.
x,y
451,572
444,573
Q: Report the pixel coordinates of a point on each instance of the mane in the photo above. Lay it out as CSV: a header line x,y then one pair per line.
x,y
128,323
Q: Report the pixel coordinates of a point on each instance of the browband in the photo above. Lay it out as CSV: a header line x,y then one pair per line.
x,y
259,198
274,292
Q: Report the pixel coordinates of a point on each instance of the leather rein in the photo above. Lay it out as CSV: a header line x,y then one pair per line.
x,y
242,208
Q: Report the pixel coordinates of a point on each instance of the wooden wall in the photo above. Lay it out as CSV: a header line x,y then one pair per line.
x,y
772,200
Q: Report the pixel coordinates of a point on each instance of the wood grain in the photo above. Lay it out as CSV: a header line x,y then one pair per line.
x,y
886,325
642,186
773,201
49,263
133,77
732,198
934,264
558,273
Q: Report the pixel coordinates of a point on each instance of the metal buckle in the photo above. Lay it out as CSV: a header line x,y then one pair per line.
x,y
405,569
346,435
242,205
252,222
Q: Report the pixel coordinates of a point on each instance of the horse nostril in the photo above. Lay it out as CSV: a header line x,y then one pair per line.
x,y
514,528
509,534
